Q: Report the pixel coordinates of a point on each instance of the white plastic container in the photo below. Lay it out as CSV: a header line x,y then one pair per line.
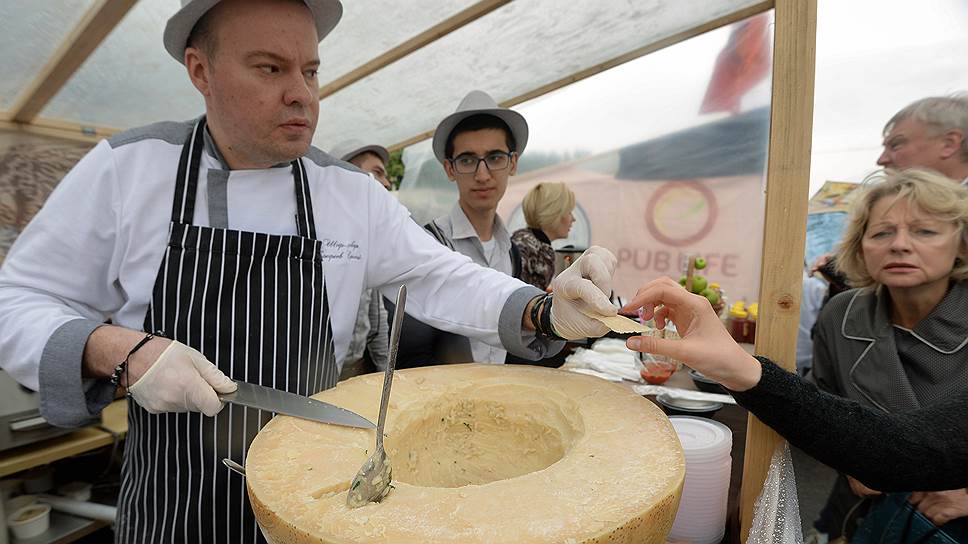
x,y
19,502
706,445
29,521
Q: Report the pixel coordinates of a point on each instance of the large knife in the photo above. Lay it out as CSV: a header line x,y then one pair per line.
x,y
274,400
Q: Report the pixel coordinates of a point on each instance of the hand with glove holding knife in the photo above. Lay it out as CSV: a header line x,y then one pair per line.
x,y
161,374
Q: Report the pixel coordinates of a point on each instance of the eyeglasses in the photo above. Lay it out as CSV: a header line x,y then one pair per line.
x,y
468,163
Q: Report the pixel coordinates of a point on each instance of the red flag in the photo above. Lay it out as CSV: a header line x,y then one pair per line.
x,y
743,62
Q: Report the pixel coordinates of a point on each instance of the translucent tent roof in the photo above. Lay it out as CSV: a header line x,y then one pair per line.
x,y
515,50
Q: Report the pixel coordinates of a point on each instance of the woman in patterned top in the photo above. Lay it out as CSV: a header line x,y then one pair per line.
x,y
547,211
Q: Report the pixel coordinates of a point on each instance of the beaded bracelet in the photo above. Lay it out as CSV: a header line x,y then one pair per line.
x,y
122,367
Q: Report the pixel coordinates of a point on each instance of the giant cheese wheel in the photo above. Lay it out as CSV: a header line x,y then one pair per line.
x,y
480,453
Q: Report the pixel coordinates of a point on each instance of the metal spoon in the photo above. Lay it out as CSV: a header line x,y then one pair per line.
x,y
372,482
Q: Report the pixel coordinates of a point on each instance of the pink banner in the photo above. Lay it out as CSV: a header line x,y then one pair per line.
x,y
653,226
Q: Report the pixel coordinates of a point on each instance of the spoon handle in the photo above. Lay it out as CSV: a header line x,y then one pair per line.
x,y
391,363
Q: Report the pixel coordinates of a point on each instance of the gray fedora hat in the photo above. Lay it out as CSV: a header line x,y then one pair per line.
x,y
479,102
326,13
346,150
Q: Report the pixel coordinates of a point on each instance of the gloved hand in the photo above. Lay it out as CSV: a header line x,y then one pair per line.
x,y
580,289
181,380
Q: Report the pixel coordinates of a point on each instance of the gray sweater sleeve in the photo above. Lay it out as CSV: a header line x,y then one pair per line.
x,y
66,399
517,341
925,449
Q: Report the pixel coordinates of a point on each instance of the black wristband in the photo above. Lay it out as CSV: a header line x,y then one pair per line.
x,y
549,330
122,367
541,318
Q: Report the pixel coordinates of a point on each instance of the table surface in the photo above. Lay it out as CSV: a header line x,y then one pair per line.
x,y
114,423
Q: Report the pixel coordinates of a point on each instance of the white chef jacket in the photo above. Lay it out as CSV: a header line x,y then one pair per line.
x,y
93,251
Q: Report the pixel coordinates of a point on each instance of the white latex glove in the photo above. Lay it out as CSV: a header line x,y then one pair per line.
x,y
580,289
181,380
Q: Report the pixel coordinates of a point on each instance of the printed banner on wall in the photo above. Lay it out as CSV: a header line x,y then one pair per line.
x,y
654,226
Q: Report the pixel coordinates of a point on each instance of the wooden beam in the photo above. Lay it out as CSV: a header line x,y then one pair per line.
x,y
673,39
419,41
96,24
787,191
61,129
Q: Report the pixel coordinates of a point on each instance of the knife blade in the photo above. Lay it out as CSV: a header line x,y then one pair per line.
x,y
290,404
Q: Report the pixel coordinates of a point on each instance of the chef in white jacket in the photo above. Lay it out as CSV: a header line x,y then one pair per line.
x,y
179,256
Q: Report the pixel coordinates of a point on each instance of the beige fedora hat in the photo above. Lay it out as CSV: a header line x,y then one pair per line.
x,y
479,102
348,149
326,13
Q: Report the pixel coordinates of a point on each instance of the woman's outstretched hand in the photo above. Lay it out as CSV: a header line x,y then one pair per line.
x,y
704,345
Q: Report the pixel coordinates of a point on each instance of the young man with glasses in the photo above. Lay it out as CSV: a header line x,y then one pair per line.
x,y
478,145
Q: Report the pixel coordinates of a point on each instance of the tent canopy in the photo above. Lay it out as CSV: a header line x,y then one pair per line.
x,y
389,71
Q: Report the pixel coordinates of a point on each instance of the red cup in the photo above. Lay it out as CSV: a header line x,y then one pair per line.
x,y
657,369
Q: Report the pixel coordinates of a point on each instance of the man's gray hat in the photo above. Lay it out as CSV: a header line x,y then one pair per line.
x,y
326,13
346,150
479,102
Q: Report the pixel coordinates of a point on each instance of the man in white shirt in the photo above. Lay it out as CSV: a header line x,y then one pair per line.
x,y
227,248
370,158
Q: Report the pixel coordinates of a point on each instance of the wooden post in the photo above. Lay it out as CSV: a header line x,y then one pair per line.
x,y
787,188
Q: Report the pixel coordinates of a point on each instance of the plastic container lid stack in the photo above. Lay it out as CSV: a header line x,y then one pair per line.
x,y
706,445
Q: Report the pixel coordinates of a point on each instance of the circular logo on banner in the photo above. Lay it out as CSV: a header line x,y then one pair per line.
x,y
680,213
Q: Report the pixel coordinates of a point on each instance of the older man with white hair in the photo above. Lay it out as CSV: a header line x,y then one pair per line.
x,y
929,133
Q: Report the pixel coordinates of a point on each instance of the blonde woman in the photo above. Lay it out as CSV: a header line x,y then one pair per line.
x,y
899,340
547,211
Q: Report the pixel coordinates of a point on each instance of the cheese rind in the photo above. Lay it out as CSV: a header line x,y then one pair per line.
x,y
480,453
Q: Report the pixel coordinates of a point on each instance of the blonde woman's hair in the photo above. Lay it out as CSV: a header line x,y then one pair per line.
x,y
546,203
934,194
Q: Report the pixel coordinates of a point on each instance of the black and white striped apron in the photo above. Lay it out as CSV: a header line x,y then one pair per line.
x,y
255,305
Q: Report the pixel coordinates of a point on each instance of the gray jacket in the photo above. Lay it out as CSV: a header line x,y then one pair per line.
x,y
860,354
